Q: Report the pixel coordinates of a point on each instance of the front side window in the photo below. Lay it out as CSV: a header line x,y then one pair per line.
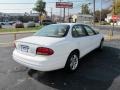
x,y
89,30
53,31
77,31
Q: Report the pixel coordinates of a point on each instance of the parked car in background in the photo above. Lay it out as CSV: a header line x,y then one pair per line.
x,y
0,26
18,24
31,24
7,22
118,22
57,46
11,22
1,23
47,22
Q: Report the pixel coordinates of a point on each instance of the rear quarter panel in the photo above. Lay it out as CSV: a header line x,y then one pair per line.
x,y
63,49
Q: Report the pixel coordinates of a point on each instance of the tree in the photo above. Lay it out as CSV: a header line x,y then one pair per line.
x,y
40,8
104,13
85,9
116,7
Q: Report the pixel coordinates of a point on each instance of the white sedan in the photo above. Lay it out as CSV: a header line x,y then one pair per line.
x,y
57,46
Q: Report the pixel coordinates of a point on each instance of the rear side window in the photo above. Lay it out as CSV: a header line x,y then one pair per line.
x,y
78,31
89,30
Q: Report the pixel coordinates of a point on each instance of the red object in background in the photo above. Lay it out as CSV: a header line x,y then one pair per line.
x,y
115,17
64,5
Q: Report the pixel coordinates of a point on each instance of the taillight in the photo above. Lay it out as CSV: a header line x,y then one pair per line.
x,y
44,51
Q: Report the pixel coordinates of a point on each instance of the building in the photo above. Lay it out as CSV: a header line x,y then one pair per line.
x,y
110,18
82,18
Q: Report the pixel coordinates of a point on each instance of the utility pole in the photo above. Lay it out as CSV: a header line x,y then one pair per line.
x,y
114,4
68,12
116,1
94,12
51,13
64,15
101,13
60,11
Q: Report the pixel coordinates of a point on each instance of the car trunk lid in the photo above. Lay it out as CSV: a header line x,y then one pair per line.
x,y
30,44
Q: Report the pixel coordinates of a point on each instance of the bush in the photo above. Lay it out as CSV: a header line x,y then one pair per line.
x,y
19,25
105,23
31,24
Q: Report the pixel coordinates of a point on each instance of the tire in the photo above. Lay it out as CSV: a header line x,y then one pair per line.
x,y
72,62
101,45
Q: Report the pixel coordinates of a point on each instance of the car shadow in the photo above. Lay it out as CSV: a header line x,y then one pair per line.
x,y
97,71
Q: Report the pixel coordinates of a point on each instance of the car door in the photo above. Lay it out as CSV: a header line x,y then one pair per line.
x,y
93,37
80,39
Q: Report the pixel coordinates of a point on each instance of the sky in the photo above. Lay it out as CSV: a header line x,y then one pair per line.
x,y
6,7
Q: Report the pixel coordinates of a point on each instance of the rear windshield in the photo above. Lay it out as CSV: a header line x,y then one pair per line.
x,y
53,31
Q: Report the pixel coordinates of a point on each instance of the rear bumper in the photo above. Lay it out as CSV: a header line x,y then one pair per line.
x,y
40,63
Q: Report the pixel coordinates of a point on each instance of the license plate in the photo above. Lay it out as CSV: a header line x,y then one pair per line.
x,y
24,48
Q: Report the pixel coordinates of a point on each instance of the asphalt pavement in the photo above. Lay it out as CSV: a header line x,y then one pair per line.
x,y
108,27
8,38
97,71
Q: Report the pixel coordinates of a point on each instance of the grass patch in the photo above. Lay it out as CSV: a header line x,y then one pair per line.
x,y
4,30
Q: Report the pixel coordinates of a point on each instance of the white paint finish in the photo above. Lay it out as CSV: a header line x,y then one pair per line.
x,y
62,48
45,41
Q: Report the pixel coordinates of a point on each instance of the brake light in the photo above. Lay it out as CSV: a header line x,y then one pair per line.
x,y
44,51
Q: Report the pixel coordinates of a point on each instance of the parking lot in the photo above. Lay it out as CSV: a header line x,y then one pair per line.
x,y
97,71
10,37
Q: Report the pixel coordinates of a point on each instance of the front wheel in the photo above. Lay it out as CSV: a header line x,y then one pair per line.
x,y
72,62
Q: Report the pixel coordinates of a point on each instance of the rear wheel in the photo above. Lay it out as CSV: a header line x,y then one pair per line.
x,y
72,62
